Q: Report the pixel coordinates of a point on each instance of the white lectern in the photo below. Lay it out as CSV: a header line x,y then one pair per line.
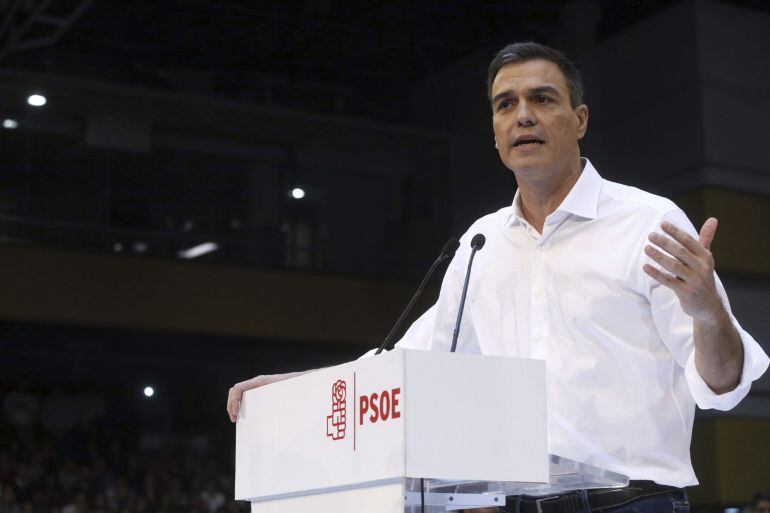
x,y
403,431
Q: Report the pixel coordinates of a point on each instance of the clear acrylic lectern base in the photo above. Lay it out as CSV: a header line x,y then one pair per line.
x,y
440,495
415,495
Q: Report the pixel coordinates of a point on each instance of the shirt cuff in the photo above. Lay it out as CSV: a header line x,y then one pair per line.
x,y
755,363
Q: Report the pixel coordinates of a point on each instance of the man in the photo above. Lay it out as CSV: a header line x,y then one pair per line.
x,y
610,285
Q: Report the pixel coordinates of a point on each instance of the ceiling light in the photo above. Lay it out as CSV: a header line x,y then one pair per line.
x,y
297,193
200,249
10,124
37,100
149,391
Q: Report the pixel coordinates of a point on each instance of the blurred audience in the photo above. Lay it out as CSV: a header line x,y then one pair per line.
x,y
61,453
761,503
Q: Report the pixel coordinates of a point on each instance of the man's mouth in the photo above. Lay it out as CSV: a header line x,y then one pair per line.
x,y
528,142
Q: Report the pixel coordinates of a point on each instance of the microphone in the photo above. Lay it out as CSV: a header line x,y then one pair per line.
x,y
446,252
477,242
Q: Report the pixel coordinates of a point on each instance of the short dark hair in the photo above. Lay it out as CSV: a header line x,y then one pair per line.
x,y
522,52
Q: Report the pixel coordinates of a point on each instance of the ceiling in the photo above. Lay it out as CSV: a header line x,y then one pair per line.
x,y
231,47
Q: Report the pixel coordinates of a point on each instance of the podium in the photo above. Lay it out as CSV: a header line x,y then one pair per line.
x,y
405,431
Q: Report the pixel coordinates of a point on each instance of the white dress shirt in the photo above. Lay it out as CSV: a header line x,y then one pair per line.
x,y
621,378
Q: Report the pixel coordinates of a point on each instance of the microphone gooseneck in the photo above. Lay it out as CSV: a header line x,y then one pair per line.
x,y
477,242
446,252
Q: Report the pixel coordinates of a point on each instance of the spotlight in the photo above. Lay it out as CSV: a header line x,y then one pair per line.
x,y
200,249
297,193
149,391
37,100
10,124
118,247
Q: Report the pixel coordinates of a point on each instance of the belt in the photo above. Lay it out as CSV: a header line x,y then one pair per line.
x,y
599,499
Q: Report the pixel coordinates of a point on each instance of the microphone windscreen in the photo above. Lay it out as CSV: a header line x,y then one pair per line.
x,y
450,247
477,242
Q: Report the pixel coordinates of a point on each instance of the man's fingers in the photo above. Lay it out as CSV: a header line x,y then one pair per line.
x,y
235,394
674,266
707,232
666,279
683,238
234,402
675,249
234,410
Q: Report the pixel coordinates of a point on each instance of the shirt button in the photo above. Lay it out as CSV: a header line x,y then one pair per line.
x,y
538,336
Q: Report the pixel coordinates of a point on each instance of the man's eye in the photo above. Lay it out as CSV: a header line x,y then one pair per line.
x,y
542,100
503,104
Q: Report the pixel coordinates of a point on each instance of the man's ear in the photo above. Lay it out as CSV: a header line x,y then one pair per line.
x,y
581,111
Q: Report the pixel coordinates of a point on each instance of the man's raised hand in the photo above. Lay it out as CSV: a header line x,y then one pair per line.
x,y
690,267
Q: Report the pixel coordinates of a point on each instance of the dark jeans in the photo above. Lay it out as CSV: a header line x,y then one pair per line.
x,y
663,503
669,502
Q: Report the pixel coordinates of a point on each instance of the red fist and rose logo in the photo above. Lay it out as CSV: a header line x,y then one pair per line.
x,y
335,423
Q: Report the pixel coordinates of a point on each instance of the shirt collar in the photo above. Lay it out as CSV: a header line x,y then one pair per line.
x,y
582,200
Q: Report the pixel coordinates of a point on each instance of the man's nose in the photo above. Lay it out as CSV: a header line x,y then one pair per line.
x,y
524,115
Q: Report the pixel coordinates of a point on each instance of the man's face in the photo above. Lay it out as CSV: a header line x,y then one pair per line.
x,y
536,128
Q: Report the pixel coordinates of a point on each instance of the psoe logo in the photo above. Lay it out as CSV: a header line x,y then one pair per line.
x,y
335,423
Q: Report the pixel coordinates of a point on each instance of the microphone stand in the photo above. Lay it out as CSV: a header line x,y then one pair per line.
x,y
476,243
448,250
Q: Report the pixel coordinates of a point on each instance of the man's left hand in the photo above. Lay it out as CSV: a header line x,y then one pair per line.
x,y
690,267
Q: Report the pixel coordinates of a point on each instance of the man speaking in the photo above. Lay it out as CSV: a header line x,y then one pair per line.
x,y
612,286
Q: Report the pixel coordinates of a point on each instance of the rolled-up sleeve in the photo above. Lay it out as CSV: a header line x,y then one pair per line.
x,y
675,328
755,363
